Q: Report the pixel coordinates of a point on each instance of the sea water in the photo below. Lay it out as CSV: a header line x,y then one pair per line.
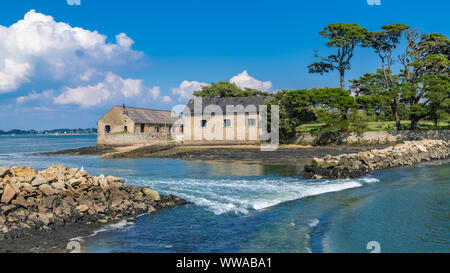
x,y
249,207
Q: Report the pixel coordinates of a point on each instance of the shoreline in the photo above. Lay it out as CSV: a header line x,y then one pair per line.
x,y
286,154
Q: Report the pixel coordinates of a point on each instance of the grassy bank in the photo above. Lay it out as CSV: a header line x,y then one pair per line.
x,y
384,126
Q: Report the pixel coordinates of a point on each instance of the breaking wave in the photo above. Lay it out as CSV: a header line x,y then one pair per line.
x,y
241,196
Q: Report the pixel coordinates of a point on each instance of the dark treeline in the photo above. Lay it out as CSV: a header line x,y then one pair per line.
x,y
419,90
49,132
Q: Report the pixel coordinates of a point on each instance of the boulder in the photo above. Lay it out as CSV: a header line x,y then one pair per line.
x,y
151,194
8,194
20,201
82,208
4,171
23,171
49,177
46,189
59,185
38,180
112,179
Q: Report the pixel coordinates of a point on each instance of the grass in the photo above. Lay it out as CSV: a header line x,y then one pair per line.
x,y
383,126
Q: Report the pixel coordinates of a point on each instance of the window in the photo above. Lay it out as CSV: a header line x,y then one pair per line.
x,y
142,128
170,129
251,122
157,128
182,129
203,123
108,129
227,123
125,128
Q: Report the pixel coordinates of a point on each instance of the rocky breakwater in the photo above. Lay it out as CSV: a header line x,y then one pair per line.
x,y
35,202
356,165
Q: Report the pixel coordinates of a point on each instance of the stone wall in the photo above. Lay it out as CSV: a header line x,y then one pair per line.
x,y
355,165
374,137
133,139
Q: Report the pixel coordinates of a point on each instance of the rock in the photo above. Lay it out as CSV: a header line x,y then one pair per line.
x,y
58,185
103,184
112,179
49,177
46,189
8,194
4,171
56,196
43,218
23,171
74,182
20,201
38,180
351,166
82,208
151,194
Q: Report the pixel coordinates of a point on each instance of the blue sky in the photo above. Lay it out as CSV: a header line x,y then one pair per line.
x,y
66,70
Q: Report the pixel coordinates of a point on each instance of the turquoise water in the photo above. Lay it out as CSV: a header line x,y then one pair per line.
x,y
240,207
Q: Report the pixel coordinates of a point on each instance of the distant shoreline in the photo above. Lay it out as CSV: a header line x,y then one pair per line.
x,y
6,135
50,132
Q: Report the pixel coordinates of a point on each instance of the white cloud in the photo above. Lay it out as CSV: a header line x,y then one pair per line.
x,y
13,74
167,99
34,96
154,92
38,48
244,80
112,89
186,88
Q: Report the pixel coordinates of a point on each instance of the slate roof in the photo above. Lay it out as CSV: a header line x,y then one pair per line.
x,y
223,102
149,116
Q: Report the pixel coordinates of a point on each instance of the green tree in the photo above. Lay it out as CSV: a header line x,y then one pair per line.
x,y
344,38
226,89
430,97
384,43
368,90
425,74
295,109
333,98
332,108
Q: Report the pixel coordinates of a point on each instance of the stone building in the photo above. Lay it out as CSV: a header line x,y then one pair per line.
x,y
223,120
124,125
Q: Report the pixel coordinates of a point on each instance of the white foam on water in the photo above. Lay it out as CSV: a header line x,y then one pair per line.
x,y
369,180
313,223
122,224
241,196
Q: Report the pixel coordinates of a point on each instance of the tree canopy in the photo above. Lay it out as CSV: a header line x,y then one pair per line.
x,y
226,89
344,38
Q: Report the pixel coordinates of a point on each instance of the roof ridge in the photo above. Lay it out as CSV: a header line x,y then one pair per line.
x,y
141,108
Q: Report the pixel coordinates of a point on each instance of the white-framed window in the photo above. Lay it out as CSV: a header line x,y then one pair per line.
x,y
251,122
227,123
